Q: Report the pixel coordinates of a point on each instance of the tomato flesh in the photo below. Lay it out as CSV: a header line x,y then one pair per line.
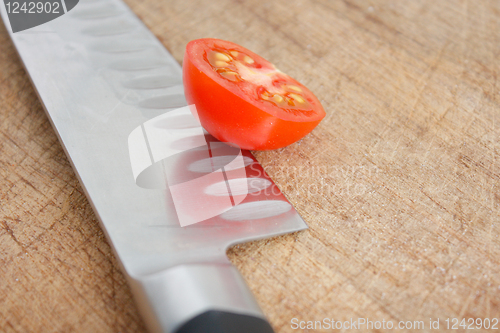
x,y
242,99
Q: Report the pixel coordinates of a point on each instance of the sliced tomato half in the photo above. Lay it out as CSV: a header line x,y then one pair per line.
x,y
242,99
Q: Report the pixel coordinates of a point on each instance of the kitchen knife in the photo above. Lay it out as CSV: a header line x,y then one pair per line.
x,y
170,198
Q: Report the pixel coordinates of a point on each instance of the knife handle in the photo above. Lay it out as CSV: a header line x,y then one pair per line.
x,y
198,298
225,322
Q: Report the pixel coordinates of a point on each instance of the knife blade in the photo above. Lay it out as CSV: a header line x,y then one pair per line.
x,y
170,198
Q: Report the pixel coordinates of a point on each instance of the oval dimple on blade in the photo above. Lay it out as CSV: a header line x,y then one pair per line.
x,y
137,64
111,28
120,46
238,186
152,82
164,102
215,163
256,210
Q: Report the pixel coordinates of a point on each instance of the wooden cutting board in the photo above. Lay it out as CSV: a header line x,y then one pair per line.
x,y
399,184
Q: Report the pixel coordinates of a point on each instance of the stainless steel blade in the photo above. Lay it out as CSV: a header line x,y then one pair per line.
x,y
170,198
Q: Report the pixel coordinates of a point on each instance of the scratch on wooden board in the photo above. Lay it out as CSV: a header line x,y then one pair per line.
x,y
469,298
387,125
441,116
430,291
465,33
65,207
10,232
425,78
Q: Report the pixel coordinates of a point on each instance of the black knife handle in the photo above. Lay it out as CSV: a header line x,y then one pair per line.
x,y
225,322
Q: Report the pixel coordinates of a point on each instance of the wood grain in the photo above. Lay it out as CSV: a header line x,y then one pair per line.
x,y
399,184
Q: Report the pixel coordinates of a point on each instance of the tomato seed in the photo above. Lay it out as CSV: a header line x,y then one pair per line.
x,y
294,88
221,56
297,98
219,63
248,60
232,76
278,98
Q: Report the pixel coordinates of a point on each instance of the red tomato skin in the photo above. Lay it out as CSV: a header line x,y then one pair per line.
x,y
234,120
